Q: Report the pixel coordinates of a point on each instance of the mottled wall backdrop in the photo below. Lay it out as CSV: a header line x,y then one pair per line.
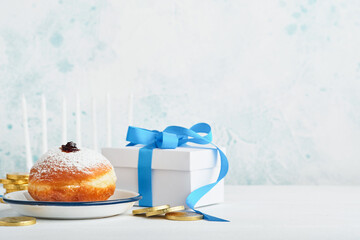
x,y
278,80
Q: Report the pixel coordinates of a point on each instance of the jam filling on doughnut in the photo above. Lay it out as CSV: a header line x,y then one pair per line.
x,y
69,147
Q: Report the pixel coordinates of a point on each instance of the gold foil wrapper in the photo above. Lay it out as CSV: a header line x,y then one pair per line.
x,y
17,221
10,181
15,186
149,209
6,181
184,216
166,210
17,176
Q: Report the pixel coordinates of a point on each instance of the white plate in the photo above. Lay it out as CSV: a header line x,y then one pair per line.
x,y
118,203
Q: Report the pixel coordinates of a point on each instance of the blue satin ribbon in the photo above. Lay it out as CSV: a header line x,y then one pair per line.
x,y
170,138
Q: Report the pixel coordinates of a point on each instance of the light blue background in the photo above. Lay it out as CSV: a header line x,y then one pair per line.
x,y
278,81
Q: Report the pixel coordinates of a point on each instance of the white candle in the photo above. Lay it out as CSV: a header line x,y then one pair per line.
x,y
44,124
94,123
130,110
108,120
78,123
29,161
64,121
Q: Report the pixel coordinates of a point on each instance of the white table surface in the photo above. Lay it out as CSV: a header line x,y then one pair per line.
x,y
255,212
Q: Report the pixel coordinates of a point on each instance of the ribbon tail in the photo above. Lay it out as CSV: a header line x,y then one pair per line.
x,y
211,218
197,194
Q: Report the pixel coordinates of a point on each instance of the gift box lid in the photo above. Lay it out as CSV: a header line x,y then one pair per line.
x,y
186,158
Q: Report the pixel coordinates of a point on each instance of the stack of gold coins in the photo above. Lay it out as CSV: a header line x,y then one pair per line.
x,y
15,182
171,213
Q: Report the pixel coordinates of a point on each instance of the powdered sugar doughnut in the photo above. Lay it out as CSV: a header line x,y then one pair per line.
x,y
70,174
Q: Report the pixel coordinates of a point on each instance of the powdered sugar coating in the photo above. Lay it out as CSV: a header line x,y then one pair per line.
x,y
55,161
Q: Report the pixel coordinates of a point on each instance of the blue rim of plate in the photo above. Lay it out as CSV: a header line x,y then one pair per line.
x,y
72,204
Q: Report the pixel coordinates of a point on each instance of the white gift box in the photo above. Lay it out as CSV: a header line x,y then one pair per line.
x,y
175,173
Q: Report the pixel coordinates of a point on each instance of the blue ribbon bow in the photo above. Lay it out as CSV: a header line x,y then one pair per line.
x,y
170,138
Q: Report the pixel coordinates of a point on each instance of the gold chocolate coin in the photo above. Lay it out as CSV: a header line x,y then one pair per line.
x,y
1,200
166,210
184,216
9,181
17,221
149,209
5,181
17,176
15,187
20,181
